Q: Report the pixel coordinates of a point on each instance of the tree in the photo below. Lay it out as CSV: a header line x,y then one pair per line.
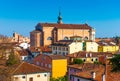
x,y
4,39
115,63
78,61
65,78
117,39
13,59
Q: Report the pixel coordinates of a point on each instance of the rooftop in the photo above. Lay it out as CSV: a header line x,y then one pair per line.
x,y
26,68
83,54
65,26
87,70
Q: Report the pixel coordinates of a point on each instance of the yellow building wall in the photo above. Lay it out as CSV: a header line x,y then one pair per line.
x,y
89,60
59,68
72,32
108,48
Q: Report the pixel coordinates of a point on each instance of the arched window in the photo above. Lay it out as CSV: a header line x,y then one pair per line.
x,y
49,38
86,38
66,38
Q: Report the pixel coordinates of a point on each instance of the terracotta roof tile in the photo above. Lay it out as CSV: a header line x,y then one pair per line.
x,y
65,26
82,54
87,69
63,43
35,31
26,68
54,57
42,48
112,76
106,43
22,52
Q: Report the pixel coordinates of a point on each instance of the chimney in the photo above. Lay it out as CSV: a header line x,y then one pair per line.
x,y
90,54
86,55
93,75
103,77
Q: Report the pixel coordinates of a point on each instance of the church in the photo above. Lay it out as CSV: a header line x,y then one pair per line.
x,y
48,33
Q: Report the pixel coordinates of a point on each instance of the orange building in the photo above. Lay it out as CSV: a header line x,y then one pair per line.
x,y
48,33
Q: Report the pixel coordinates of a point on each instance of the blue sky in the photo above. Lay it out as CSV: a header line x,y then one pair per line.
x,y
22,15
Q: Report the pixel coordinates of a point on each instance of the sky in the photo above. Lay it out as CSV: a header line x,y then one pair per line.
x,y
22,16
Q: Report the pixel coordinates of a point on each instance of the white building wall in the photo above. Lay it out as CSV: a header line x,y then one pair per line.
x,y
36,77
91,47
63,50
75,47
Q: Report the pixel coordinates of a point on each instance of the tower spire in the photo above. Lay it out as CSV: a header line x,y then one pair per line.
x,y
59,18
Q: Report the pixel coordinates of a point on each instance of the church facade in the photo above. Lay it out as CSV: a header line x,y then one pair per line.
x,y
48,33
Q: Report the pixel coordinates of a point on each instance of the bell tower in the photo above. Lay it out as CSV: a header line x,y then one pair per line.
x,y
92,34
59,18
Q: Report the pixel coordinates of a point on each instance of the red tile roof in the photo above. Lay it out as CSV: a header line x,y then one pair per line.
x,y
52,56
22,52
107,44
35,31
88,68
62,43
104,39
26,68
65,26
112,76
82,54
55,56
39,49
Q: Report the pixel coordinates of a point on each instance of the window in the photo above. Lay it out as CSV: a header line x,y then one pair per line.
x,y
63,53
49,65
91,59
66,38
53,48
86,38
37,63
59,48
59,52
96,59
66,49
56,48
45,75
31,79
41,64
78,79
70,77
45,65
66,52
75,70
84,60
23,77
49,38
63,49
38,75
